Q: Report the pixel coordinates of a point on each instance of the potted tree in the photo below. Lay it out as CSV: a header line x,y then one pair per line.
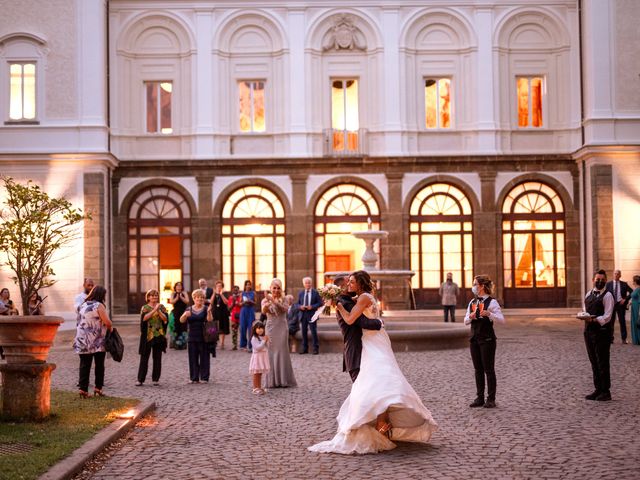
x,y
33,227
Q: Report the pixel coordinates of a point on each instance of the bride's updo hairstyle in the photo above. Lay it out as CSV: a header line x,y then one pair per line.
x,y
363,280
486,283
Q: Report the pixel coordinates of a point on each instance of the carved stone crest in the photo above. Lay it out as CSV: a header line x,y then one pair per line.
x,y
344,35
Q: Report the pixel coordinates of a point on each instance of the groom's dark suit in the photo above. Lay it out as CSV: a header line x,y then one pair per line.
x,y
352,335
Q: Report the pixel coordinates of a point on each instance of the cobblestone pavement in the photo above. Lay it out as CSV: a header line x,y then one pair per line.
x,y
542,428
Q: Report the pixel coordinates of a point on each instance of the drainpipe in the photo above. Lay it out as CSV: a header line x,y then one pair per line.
x,y
583,163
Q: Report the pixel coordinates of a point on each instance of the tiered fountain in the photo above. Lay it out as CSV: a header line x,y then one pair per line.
x,y
407,332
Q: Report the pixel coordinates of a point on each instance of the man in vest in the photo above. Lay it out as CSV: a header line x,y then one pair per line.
x,y
597,335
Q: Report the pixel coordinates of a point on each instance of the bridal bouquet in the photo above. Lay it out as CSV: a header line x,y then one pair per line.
x,y
329,292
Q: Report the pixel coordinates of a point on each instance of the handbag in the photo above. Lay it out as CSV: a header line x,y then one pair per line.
x,y
114,345
210,331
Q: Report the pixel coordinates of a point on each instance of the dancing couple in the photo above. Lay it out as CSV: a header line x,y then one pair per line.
x,y
382,406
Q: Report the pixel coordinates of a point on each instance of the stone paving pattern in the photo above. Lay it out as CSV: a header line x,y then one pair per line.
x,y
543,428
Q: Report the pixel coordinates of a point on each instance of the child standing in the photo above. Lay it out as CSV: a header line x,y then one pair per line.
x,y
259,363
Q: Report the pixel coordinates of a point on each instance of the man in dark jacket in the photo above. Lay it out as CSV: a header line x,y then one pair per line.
x,y
621,292
352,334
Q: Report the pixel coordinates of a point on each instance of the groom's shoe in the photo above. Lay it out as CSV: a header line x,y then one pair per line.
x,y
592,396
490,404
478,402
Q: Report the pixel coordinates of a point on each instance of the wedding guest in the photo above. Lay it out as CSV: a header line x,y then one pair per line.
x,y
483,311
235,305
449,294
153,340
293,322
621,292
87,286
247,315
92,328
635,311
180,301
598,329
195,318
259,362
5,297
275,307
308,302
220,310
35,304
208,291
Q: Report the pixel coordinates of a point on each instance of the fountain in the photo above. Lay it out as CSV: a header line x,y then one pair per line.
x,y
408,331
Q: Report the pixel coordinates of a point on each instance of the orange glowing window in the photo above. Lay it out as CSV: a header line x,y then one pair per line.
x,y
22,91
159,107
529,97
437,102
252,108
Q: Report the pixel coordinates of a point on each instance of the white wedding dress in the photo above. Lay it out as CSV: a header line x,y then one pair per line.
x,y
380,386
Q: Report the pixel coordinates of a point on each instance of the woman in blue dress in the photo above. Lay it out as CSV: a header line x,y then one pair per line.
x,y
247,314
635,311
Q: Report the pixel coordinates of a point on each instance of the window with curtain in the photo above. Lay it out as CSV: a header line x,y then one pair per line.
x,y
529,91
441,236
533,237
22,91
437,103
252,108
344,114
158,107
253,237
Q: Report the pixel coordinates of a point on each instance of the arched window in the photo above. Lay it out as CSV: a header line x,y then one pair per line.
x,y
159,243
533,240
253,238
342,209
440,231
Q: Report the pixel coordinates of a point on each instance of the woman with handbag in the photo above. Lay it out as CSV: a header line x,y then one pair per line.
x,y
93,324
196,317
153,340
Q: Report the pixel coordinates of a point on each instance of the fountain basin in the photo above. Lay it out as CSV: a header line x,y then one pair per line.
x,y
406,336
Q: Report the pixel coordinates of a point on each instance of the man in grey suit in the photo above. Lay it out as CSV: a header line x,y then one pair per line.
x,y
449,293
621,292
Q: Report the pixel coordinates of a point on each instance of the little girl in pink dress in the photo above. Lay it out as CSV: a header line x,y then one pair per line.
x,y
259,363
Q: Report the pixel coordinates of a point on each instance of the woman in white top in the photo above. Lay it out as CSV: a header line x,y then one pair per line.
x,y
382,406
482,312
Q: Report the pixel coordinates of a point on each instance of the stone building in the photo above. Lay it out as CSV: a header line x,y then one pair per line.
x,y
247,139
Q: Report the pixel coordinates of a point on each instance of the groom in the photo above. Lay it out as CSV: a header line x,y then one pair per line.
x,y
352,334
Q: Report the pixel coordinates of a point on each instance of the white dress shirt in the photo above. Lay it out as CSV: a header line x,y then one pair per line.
x,y
79,300
495,312
608,306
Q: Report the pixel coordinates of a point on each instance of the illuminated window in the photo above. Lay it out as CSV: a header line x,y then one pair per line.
x,y
437,102
253,238
22,96
342,209
529,94
159,243
533,237
440,236
344,114
159,107
251,106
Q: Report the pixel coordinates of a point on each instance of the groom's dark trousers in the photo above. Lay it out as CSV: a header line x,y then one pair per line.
x,y
352,335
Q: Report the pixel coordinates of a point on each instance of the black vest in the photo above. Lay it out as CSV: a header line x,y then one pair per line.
x,y
594,304
482,328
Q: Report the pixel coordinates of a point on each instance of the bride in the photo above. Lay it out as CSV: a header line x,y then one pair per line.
x,y
382,406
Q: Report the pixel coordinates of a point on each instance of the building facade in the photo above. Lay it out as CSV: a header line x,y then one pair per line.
x,y
248,139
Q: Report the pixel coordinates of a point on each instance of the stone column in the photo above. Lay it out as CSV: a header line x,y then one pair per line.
x,y
94,229
300,250
30,387
602,218
396,294
486,234
206,261
119,254
573,247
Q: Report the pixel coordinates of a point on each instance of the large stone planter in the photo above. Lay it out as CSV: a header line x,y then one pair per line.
x,y
27,339
26,377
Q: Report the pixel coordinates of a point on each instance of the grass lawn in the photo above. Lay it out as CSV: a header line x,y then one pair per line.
x,y
72,422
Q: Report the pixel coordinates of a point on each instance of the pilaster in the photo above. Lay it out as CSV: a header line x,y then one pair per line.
x,y
206,233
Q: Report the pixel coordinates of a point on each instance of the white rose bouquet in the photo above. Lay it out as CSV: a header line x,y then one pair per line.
x,y
329,292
